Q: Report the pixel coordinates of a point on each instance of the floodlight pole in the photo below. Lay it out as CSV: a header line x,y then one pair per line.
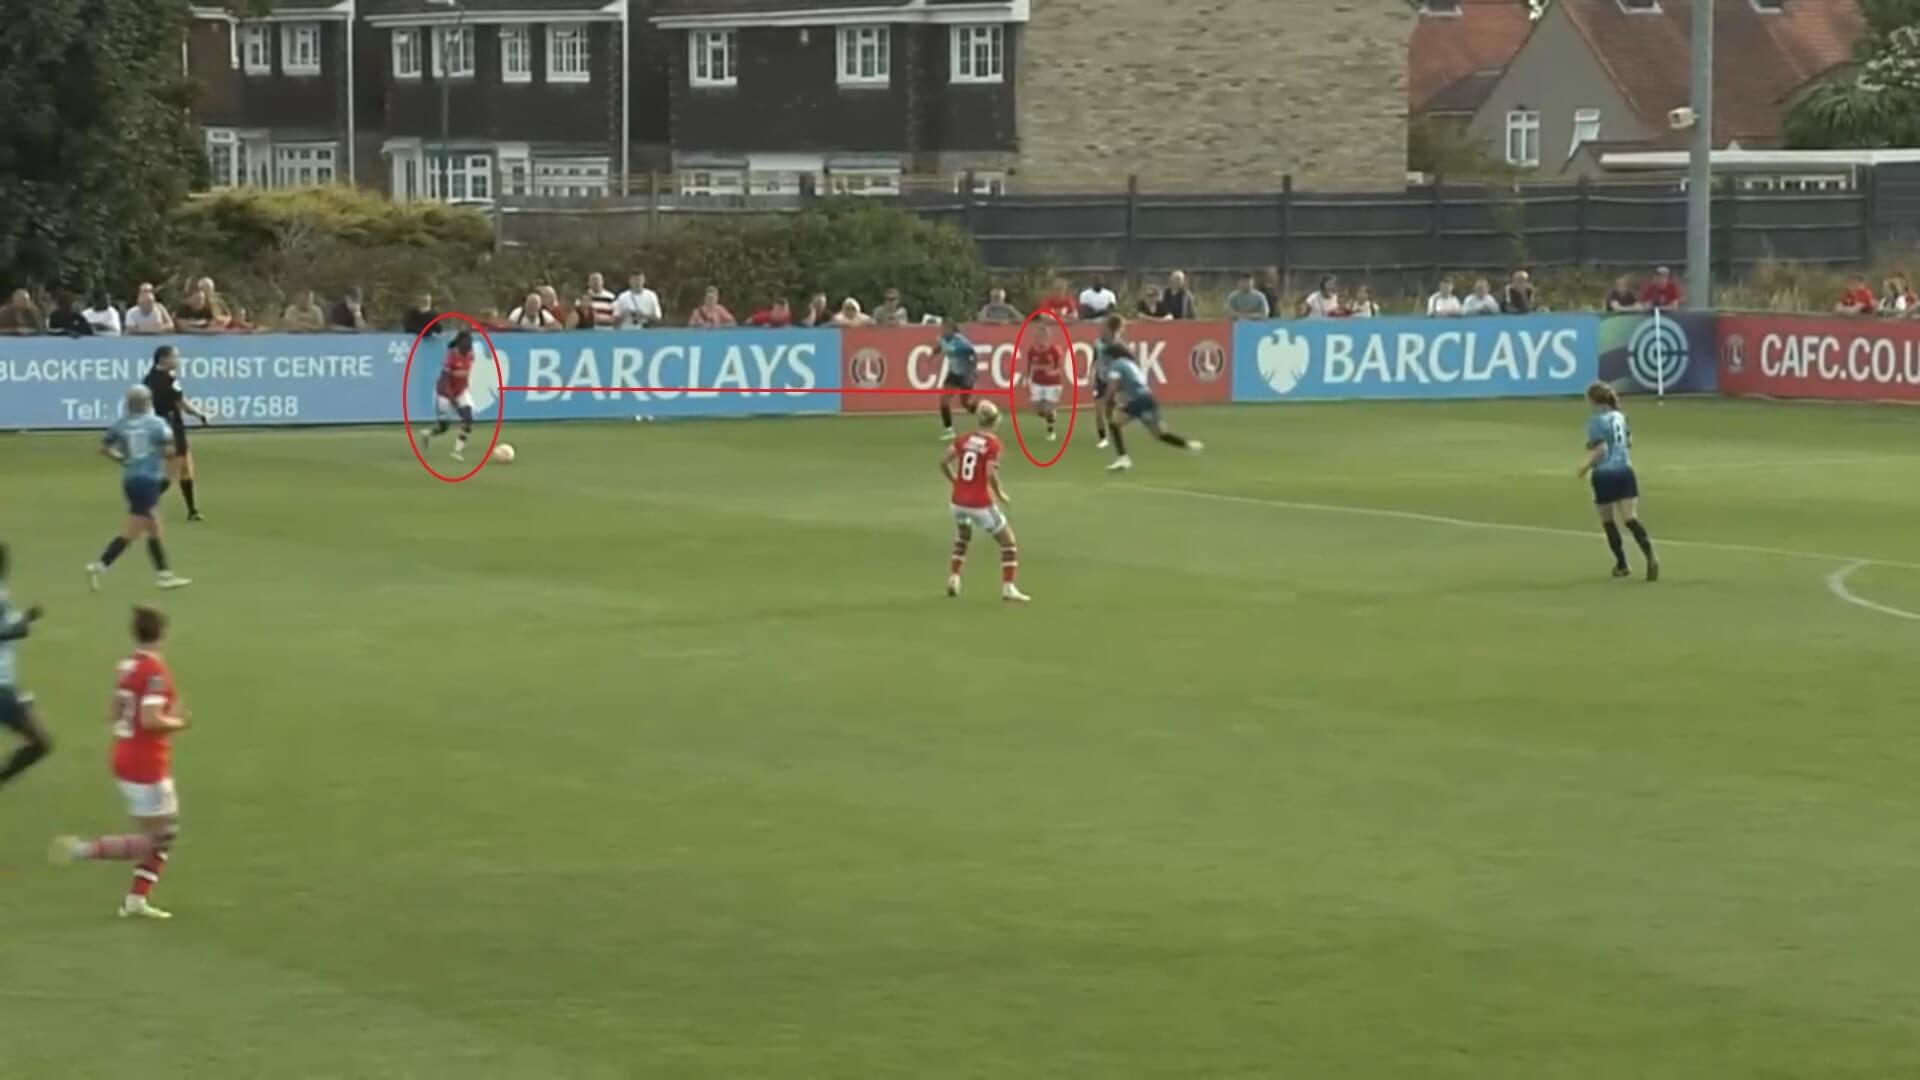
x,y
1700,163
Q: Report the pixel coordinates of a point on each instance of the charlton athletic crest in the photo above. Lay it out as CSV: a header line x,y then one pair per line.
x,y
868,368
1209,360
1734,352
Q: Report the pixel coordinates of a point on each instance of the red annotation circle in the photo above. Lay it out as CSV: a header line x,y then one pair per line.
x,y
1073,382
500,407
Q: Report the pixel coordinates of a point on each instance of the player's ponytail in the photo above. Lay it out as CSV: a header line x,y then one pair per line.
x,y
1602,394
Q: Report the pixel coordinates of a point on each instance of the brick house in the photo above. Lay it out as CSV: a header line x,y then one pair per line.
x,y
1459,51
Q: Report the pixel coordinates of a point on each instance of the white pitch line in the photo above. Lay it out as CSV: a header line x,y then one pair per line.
x,y
1503,526
1837,585
1705,466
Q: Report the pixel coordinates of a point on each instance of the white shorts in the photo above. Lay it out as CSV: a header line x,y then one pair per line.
x,y
987,519
151,800
464,401
1046,395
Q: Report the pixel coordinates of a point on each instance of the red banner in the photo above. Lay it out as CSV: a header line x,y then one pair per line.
x,y
1790,356
1186,362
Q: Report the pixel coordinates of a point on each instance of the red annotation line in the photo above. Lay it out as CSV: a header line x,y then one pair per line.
x,y
936,390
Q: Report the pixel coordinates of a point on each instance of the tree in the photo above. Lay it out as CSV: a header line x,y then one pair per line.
x,y
96,144
1873,103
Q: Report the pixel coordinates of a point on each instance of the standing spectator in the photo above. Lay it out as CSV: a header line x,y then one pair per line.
x,y
638,307
1148,306
532,314
1444,304
711,314
777,316
1323,302
419,318
66,319
595,308
1856,298
997,310
1519,298
1270,288
1482,301
20,316
1663,293
1246,302
1061,301
102,315
196,314
1096,300
1176,302
304,314
817,314
891,311
851,315
1899,298
1362,305
1621,299
349,312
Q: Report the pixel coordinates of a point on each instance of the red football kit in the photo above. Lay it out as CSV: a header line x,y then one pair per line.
x,y
974,457
141,756
1063,305
1045,365
454,374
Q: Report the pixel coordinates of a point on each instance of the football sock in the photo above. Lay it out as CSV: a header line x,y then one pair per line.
x,y
1640,536
959,557
114,548
1100,423
130,848
946,413
147,874
1119,443
186,492
165,484
1614,542
22,760
158,553
1049,423
461,442
1171,439
1009,564
441,427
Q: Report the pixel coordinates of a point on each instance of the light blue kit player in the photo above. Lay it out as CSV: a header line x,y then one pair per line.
x,y
141,443
1127,385
963,367
1616,490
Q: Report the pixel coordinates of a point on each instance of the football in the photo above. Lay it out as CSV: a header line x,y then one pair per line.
x,y
503,454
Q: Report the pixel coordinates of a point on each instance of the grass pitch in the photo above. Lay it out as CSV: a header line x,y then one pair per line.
x,y
1333,752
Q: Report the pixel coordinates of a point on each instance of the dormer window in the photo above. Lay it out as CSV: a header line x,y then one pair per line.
x,y
1769,7
1440,7
1640,7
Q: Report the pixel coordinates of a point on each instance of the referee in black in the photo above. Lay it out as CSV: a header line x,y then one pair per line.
x,y
171,405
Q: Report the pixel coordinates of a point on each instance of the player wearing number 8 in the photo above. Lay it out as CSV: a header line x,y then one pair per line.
x,y
1616,490
972,467
141,443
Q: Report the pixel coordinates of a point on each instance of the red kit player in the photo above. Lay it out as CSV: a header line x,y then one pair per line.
x,y
1046,374
451,396
146,713
972,466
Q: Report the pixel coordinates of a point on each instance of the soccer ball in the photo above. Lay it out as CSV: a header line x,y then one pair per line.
x,y
503,454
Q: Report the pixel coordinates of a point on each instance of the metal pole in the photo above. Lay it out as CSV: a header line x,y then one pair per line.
x,y
1700,164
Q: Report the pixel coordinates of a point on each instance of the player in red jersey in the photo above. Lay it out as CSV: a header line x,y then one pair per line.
x,y
146,713
1046,374
451,396
972,466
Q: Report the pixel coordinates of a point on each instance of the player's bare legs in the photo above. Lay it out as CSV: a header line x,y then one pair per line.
x,y
1009,567
147,847
962,537
442,425
1160,432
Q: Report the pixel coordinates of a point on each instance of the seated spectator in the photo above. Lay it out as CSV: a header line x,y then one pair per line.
x,y
891,311
66,319
550,300
224,317
196,314
817,313
1519,298
594,309
851,315
1856,298
304,314
1443,304
349,312
1621,298
1898,297
532,314
1482,301
711,314
1149,304
1323,302
997,310
420,316
1361,306
102,315
1663,293
1061,301
1096,300
147,315
1270,288
21,316
1247,303
1176,302
638,307
779,315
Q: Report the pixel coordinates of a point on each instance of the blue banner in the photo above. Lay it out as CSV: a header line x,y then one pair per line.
x,y
270,379
1670,354
1491,356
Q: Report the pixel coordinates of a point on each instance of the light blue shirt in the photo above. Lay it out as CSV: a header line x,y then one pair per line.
x,y
10,622
959,353
142,441
1127,374
1609,429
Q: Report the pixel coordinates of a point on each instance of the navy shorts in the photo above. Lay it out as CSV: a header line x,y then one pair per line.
x,y
13,708
1614,485
957,382
143,494
1144,409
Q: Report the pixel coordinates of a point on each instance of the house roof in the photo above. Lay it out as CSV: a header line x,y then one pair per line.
x,y
1448,48
1465,96
1761,58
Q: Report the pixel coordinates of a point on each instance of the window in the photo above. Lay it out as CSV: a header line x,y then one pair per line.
x,y
256,55
515,176
1771,7
568,55
460,177
978,54
453,52
1586,129
1440,7
714,58
300,49
223,159
1523,138
570,178
516,54
984,183
302,166
714,182
865,58
406,54
1640,7
863,182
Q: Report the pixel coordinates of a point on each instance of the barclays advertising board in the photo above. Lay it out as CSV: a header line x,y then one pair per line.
x,y
281,379
1494,356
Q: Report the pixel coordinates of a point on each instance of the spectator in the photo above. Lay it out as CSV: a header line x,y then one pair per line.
x,y
1482,301
779,315
638,307
1148,306
1061,301
1856,298
196,314
1444,304
533,314
66,319
1323,302
997,310
1663,293
1270,288
20,316
1519,298
851,315
818,314
1899,298
1176,302
1621,298
102,315
349,312
304,314
1362,305
420,317
711,314
595,307
224,317
550,300
1247,303
891,311
1096,300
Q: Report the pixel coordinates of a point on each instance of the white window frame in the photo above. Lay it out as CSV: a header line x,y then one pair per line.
x,y
707,182
572,178
516,43
850,46
864,183
713,58
225,140
256,49
1586,129
984,183
560,40
304,165
406,53
473,169
295,58
1524,124
443,39
966,45
516,172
